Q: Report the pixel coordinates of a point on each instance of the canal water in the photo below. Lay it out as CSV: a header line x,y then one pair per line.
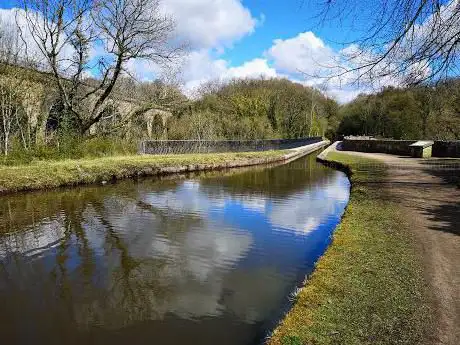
x,y
201,259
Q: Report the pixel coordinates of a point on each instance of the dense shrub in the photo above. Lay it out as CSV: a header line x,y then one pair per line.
x,y
70,148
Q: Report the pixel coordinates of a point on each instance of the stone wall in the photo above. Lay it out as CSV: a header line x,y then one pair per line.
x,y
395,147
216,146
400,147
446,148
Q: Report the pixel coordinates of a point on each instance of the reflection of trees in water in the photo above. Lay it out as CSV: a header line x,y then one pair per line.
x,y
122,279
143,284
77,271
280,181
125,288
20,210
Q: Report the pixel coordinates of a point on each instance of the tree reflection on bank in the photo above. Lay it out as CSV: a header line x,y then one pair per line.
x,y
220,252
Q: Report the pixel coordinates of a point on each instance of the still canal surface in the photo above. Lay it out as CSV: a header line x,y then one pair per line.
x,y
203,259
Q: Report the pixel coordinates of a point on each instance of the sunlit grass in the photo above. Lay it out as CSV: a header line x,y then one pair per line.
x,y
368,287
48,174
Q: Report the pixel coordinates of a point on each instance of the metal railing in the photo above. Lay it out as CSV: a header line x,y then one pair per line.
x,y
220,146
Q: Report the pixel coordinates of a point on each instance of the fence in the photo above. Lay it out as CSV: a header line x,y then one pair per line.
x,y
219,146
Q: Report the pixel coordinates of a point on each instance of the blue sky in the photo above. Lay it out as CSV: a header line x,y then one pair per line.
x,y
282,20
234,38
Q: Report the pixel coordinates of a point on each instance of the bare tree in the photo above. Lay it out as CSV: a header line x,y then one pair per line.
x,y
81,37
11,90
412,41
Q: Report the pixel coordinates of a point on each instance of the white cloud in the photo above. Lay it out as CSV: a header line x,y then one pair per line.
x,y
8,19
143,70
345,95
303,54
211,23
24,43
200,67
252,69
15,24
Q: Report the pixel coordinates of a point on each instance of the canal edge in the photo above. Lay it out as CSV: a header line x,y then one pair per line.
x,y
132,171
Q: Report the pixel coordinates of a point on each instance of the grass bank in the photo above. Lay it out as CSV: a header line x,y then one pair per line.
x,y
368,288
49,174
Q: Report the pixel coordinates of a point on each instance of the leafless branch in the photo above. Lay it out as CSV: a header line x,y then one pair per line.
x,y
98,37
409,41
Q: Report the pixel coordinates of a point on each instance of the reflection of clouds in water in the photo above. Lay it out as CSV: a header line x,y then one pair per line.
x,y
193,198
191,184
94,229
214,246
190,263
338,189
304,212
252,202
186,198
197,268
197,260
35,240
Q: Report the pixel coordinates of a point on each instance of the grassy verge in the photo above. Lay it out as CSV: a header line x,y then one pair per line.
x,y
368,287
49,174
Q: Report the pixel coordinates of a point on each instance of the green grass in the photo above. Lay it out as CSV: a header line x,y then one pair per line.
x,y
49,174
368,287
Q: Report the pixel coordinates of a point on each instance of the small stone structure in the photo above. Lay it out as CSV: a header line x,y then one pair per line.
x,y
220,146
421,149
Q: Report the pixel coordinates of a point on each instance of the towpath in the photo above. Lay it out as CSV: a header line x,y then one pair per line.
x,y
429,193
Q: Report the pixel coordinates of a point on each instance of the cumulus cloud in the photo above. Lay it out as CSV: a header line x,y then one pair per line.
x,y
304,54
208,26
253,68
306,59
201,67
211,23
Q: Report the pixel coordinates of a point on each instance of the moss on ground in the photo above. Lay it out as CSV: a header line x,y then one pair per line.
x,y
49,174
368,288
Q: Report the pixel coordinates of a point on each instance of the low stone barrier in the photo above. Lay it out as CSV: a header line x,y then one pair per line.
x,y
395,147
446,148
220,146
400,147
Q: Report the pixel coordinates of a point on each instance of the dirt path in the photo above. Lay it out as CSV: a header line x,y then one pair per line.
x,y
427,190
